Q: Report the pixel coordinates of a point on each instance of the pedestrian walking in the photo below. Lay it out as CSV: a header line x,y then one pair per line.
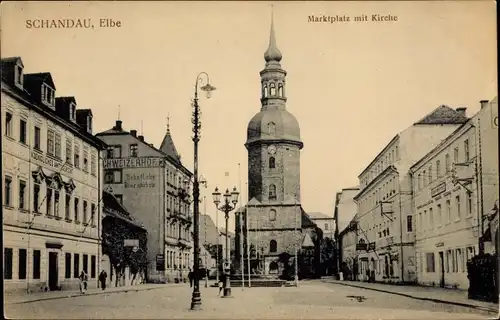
x,y
83,281
191,278
102,278
221,283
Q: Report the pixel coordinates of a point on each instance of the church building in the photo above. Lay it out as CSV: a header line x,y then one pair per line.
x,y
277,226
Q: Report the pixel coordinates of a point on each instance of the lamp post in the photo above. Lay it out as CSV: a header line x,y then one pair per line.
x,y
196,296
226,207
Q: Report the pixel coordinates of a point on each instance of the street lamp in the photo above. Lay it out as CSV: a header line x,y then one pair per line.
x,y
226,207
196,297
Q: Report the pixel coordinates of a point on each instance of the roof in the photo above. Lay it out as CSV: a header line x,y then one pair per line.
x,y
114,208
168,147
284,125
306,220
39,78
318,215
443,115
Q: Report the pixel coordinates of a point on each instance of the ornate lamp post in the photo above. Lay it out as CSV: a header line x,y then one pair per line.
x,y
196,297
226,207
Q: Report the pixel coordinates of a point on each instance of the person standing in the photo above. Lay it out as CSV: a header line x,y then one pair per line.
x,y
191,278
83,281
102,278
221,283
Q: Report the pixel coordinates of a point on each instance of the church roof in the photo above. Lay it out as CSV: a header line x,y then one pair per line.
x,y
306,220
318,215
272,53
273,124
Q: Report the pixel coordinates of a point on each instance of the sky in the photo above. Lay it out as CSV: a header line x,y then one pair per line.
x,y
351,85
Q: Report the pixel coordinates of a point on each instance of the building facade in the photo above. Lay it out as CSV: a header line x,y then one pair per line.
x,y
154,186
51,183
345,240
448,206
275,218
384,219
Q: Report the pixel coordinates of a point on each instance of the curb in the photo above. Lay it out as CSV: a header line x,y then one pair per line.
x,y
74,295
419,298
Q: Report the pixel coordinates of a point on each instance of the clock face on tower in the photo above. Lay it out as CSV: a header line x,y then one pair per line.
x,y
271,149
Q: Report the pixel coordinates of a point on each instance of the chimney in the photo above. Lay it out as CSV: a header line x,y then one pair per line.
x,y
133,133
461,111
141,138
118,125
483,103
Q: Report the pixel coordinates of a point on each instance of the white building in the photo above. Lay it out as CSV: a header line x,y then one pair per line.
x,y
149,181
384,220
325,223
51,184
448,206
345,211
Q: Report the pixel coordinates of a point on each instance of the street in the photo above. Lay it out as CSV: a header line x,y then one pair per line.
x,y
312,299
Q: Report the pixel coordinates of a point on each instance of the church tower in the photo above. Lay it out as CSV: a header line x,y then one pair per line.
x,y
273,213
273,137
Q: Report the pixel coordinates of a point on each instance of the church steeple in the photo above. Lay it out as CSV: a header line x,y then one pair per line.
x,y
272,53
273,76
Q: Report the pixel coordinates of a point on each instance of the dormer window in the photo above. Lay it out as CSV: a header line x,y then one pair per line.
x,y
18,75
48,95
89,124
72,112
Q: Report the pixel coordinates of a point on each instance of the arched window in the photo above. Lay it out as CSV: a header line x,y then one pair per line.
x,y
280,90
272,192
273,246
273,89
272,128
264,91
272,163
272,215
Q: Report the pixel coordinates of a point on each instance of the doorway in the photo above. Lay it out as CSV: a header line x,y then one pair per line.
x,y
441,269
53,271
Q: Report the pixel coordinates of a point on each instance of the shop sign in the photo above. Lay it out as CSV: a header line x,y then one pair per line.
x,y
51,162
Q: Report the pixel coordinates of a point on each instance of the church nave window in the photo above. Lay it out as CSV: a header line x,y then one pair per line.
x,y
273,89
272,163
273,246
272,215
272,192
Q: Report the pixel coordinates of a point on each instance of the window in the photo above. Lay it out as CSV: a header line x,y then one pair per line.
x,y
419,181
8,191
50,142
76,265
455,155
67,207
447,163
110,152
84,211
113,176
76,209
326,226
424,178
8,124
469,203
271,126
133,150
448,211
264,91
57,147
22,194
7,263
67,265
438,169
409,223
466,150
85,159
93,266
92,214
272,214
36,264
430,262
19,75
430,174
36,197
272,192
273,246
38,138
22,131
93,166
85,263
431,218
272,86
457,204
69,147
49,201
439,214
22,264
272,163
459,261
56,203
77,156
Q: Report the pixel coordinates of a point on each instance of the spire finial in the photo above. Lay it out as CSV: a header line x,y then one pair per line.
x,y
272,53
142,132
168,123
118,112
